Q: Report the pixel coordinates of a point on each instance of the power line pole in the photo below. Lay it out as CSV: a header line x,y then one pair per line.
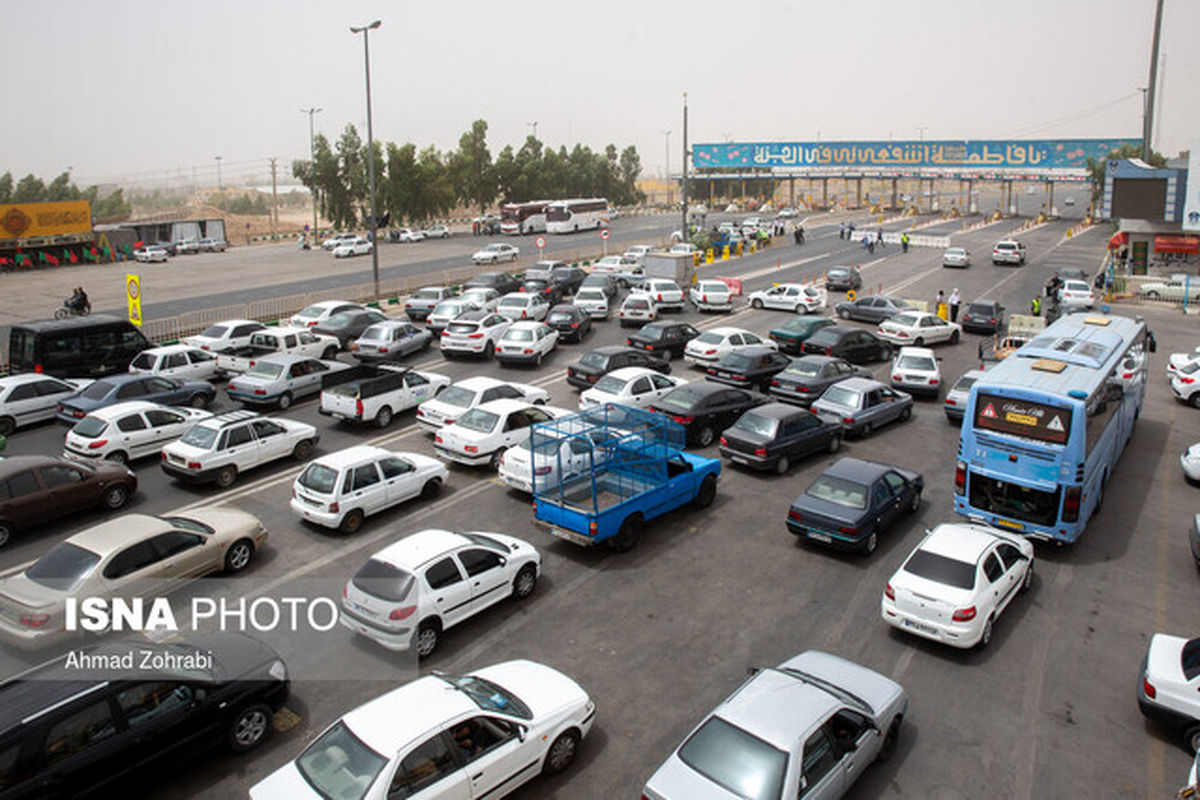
x,y
667,170
365,30
274,201
219,187
683,187
1148,123
312,161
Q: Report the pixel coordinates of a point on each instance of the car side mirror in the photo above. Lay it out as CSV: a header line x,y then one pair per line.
x,y
522,732
803,784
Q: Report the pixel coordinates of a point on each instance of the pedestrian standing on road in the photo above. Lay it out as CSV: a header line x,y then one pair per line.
x,y
955,301
879,237
798,235
842,230
938,302
870,240
850,231
904,241
1035,306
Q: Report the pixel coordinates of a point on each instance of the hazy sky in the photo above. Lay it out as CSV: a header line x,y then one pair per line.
x,y
125,90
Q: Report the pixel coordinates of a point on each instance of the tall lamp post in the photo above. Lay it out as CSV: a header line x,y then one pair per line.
x,y
218,160
683,187
667,170
312,160
365,30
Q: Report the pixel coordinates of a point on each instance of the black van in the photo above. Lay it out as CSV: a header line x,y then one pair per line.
x,y
73,727
76,347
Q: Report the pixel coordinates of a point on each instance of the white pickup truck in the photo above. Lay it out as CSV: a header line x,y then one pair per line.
x,y
377,392
273,341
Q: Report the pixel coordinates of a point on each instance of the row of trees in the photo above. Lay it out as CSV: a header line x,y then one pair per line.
x,y
31,189
420,185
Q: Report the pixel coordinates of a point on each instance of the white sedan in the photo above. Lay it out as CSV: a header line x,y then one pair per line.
x,y
357,246
337,239
666,294
1190,461
148,255
916,370
522,306
229,333
629,386
519,467
526,342
481,435
637,307
711,296
444,736
130,430
794,297
175,361
1076,293
957,582
496,252
611,265
919,328
407,235
461,397
711,346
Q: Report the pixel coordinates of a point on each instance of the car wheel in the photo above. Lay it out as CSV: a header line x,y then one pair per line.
x,y
986,636
7,426
865,430
351,522
226,476
525,582
628,535
285,401
249,727
330,353
494,463
782,465
915,505
669,354
889,741
1151,295
705,437
561,753
835,443
427,638
1194,400
1027,581
303,450
198,401
1191,738
707,492
431,488
537,362
871,542
6,532
383,418
237,558
843,313
906,413
756,304
954,337
117,457
919,341
115,496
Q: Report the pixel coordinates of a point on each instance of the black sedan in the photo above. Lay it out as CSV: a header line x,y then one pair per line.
x,y
983,316
571,322
852,344
790,335
706,409
663,338
750,367
774,435
603,360
349,325
807,377
567,278
843,279
545,287
852,502
872,308
502,282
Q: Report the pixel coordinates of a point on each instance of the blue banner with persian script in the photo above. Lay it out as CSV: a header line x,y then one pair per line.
x,y
957,154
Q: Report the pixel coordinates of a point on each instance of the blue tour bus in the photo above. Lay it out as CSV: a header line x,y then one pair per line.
x,y
1044,427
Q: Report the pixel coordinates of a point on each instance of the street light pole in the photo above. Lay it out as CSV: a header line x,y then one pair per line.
x,y
667,168
312,160
365,31
1148,126
219,187
683,187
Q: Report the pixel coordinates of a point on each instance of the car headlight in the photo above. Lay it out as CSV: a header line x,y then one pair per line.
x,y
278,670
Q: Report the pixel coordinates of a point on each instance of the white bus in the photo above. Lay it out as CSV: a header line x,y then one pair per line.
x,y
517,218
568,216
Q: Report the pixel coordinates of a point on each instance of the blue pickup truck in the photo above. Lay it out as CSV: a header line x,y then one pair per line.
x,y
638,472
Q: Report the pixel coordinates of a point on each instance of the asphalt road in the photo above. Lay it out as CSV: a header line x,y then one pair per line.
x,y
660,635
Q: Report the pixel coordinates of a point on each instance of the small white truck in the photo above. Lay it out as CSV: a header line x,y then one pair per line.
x,y
375,393
274,341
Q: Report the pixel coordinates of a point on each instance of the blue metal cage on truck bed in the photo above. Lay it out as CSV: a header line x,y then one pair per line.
x,y
600,474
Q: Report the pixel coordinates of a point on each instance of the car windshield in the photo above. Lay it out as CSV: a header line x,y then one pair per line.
x,y
489,696
922,363
610,384
339,765
199,436
980,309
519,335
824,338
710,338
425,294
265,369
905,320
839,491
636,303
312,311
798,325
841,396
144,361
383,580
964,384
1077,286
493,248
590,294
941,569
97,391
838,273
736,759
650,332
956,251
513,302
462,327
63,568
756,424
477,295
375,333
215,331
449,307
714,287
89,427
598,360
318,478
457,396
561,316
478,420
683,399
738,361
339,320
803,369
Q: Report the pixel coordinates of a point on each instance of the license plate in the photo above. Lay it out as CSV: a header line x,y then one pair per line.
x,y
738,460
908,623
819,537
339,416
1004,523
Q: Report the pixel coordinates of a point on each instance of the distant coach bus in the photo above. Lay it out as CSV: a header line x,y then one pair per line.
x,y
569,216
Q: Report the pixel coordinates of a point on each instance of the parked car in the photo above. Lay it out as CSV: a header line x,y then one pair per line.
x,y
551,293
790,336
481,435
705,410
526,342
666,294
805,729
1169,692
38,489
448,310
575,455
357,246
437,232
983,316
1009,252
750,367
862,405
637,307
175,361
522,305
663,338
224,334
336,239
346,326
955,402
390,340
119,388
795,297
593,301
956,257
872,308
711,296
406,236
473,333
211,245
568,279
501,726
502,282
597,363
1185,384
605,283
421,303
1076,293
317,313
130,430
916,370
919,328
957,581
189,247
339,490
218,449
773,436
715,343
150,255
807,377
29,397
570,321
484,298
638,252
1174,288
281,380
629,386
130,556
843,279
855,345
165,245
852,502
614,265
496,252
454,401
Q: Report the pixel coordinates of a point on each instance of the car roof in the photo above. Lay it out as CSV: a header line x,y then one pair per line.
x,y
856,469
331,303
629,373
985,301
571,307
232,417
859,384
728,331
121,409
168,349
406,713
351,456
614,349
284,358
523,296
916,351
776,706
122,379
473,316
778,410
116,533
25,377
14,464
504,405
814,358
837,331
234,322
478,382
754,350
525,325
960,541
420,548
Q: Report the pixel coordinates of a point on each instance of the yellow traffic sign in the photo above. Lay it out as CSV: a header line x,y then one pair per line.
x,y
133,293
850,295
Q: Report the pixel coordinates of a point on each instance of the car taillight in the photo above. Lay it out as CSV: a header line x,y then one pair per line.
x,y
724,442
933,381
470,448
889,592
37,368
260,391
950,402
683,420
475,336
896,377
774,382
660,298
383,349
960,478
448,422
964,614
760,452
203,347
629,341
1149,689
358,407
1187,380
438,439
403,612
34,620
739,377
528,351
847,420
252,363
574,324
850,531
794,514
703,298
992,320
523,314
354,345
96,445
804,389
709,352
445,333
828,351
1071,503
1126,375
541,470
193,465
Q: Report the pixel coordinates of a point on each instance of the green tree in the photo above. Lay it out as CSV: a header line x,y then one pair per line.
x,y
631,170
6,187
507,172
471,168
30,189
398,189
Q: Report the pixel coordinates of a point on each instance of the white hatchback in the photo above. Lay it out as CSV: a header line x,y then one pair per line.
x,y
637,308
916,370
522,305
526,342
711,296
958,580
461,397
666,294
919,328
225,334
341,489
1076,293
629,386
519,467
127,431
176,361
480,436
320,312
794,297
711,346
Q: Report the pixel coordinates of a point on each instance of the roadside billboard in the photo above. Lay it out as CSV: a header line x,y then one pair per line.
x,y
40,220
